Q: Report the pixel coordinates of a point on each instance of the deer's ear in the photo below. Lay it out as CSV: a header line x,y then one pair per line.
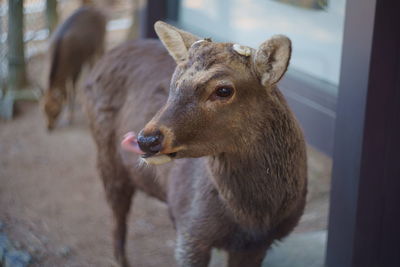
x,y
272,59
176,41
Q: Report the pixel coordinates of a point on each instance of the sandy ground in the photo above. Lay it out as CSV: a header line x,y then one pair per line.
x,y
52,203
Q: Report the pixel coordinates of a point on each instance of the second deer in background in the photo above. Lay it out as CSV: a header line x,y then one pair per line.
x,y
76,42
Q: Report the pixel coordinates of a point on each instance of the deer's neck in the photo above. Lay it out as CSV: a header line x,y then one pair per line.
x,y
262,180
249,189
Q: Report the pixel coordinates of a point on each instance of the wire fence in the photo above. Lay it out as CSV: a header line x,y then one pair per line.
x,y
36,33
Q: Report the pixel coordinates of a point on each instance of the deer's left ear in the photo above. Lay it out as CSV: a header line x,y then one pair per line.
x,y
272,59
175,40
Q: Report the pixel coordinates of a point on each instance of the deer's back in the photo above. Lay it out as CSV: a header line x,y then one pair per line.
x,y
124,91
76,41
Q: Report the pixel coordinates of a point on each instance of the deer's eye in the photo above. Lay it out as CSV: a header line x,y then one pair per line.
x,y
222,93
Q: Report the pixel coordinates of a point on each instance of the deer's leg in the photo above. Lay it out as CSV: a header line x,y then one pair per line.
x,y
190,253
97,55
251,258
120,202
119,191
71,101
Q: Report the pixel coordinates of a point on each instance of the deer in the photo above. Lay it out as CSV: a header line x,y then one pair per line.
x,y
77,42
203,127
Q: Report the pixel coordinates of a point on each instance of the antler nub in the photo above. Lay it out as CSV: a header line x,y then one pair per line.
x,y
242,50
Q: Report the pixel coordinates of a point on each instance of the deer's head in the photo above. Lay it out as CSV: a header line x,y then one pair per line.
x,y
52,104
216,96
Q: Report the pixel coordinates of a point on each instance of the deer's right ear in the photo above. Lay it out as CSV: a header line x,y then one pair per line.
x,y
271,59
176,41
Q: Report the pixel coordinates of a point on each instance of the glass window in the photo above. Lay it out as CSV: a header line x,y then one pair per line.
x,y
316,34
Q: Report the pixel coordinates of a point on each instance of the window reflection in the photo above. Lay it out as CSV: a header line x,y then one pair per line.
x,y
316,33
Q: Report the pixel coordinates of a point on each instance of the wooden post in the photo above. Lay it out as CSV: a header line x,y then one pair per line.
x,y
134,29
155,10
16,57
15,41
51,14
16,61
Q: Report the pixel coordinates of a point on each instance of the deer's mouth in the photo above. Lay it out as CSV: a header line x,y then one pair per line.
x,y
148,155
158,158
130,143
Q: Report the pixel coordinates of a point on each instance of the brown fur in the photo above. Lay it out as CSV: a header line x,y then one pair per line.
x,y
239,180
79,40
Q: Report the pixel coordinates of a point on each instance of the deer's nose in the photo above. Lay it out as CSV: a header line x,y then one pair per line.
x,y
150,143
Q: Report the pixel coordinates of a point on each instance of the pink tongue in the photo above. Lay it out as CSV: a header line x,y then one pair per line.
x,y
130,143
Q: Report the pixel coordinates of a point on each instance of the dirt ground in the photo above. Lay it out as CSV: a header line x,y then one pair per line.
x,y
52,203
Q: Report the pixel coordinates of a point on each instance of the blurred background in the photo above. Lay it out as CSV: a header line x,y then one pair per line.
x,y
52,206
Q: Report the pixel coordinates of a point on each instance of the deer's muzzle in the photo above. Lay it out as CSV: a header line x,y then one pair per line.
x,y
150,143
148,146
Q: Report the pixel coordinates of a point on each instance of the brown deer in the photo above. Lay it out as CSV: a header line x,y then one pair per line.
x,y
79,40
237,180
